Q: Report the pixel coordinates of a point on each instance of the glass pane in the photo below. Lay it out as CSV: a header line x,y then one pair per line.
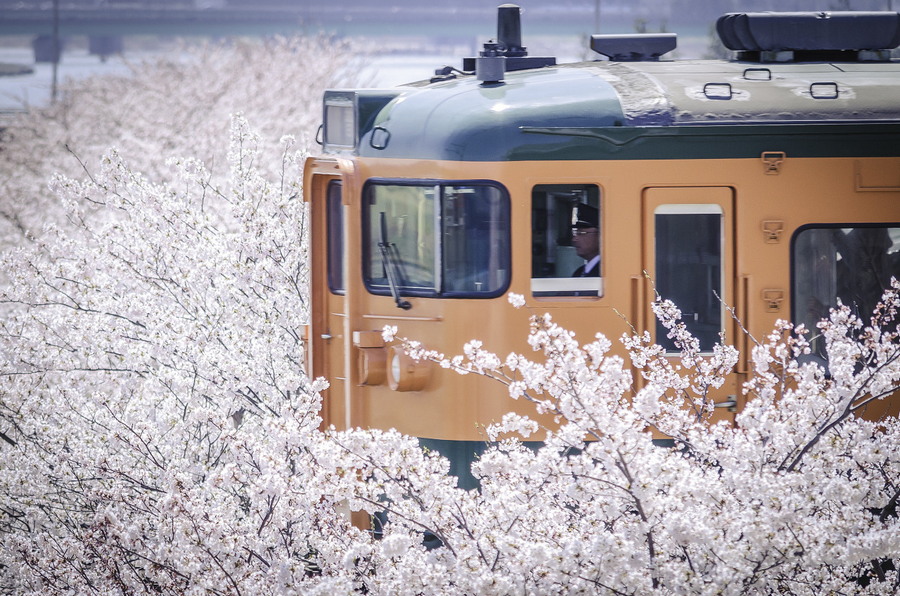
x,y
475,225
689,270
468,256
400,237
854,265
340,126
565,240
335,215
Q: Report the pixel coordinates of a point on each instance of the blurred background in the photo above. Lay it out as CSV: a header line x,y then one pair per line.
x,y
43,42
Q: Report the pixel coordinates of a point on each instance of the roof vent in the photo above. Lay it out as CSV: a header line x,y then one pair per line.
x,y
634,47
810,36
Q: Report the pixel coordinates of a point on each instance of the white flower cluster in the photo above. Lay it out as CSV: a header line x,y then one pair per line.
x,y
798,496
153,400
178,104
159,434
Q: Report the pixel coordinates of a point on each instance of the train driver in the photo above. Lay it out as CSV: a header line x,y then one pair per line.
x,y
586,239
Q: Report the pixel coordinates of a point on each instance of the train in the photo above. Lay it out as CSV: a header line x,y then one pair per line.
x,y
767,183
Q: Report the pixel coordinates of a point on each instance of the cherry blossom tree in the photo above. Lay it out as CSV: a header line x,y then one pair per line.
x,y
158,432
176,104
153,430
799,496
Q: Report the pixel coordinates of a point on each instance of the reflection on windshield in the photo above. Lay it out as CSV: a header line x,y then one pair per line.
x,y
409,218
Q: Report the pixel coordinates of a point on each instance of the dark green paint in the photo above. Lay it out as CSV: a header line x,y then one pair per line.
x,y
578,112
706,142
533,143
462,454
460,120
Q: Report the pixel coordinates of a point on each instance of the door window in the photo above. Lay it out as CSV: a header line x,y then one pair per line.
x,y
335,225
689,269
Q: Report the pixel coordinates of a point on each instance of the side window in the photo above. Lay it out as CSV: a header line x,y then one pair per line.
x,y
689,269
850,264
436,239
566,240
335,224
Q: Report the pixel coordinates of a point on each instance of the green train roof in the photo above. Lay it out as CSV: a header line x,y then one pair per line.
x,y
630,110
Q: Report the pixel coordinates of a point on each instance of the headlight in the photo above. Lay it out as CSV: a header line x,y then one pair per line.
x,y
405,374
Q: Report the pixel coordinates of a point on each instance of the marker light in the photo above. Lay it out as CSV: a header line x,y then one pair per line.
x,y
406,374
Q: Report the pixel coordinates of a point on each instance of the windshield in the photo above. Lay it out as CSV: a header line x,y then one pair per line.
x,y
436,239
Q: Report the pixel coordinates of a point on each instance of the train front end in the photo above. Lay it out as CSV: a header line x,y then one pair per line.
x,y
588,188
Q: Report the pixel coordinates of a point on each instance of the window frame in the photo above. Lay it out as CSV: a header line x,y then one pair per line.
x,y
439,274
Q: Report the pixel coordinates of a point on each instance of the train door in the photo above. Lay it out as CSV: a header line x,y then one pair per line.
x,y
329,324
689,256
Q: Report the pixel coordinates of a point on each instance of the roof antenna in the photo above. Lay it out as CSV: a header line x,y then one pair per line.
x,y
506,53
509,30
490,65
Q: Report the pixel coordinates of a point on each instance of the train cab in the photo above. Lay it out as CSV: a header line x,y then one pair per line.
x,y
765,187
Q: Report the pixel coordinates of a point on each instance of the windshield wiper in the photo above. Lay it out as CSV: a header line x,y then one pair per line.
x,y
389,262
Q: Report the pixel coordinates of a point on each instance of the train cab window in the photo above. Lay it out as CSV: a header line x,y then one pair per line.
x,y
566,240
850,264
335,225
689,269
436,239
